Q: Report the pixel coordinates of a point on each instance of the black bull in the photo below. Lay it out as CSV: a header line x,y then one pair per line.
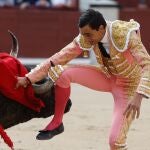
x,y
13,113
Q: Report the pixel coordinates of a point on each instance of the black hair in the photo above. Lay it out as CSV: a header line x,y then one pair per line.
x,y
92,18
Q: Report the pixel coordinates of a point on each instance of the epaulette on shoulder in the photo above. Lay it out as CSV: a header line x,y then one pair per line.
x,y
83,44
120,33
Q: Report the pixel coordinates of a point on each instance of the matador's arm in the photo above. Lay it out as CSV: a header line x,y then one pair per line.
x,y
141,55
66,54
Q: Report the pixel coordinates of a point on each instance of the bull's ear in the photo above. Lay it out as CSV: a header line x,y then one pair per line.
x,y
15,45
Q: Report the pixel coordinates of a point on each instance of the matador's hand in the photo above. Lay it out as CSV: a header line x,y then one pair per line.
x,y
22,81
134,106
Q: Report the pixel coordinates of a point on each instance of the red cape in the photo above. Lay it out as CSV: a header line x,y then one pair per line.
x,y
9,69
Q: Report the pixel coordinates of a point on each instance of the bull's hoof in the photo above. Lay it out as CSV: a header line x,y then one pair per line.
x,y
46,134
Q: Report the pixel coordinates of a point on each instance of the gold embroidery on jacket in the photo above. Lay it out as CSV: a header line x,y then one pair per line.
x,y
143,59
120,31
55,72
99,58
84,44
128,74
121,139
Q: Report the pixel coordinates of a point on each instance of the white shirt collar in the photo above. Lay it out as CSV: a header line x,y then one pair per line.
x,y
105,38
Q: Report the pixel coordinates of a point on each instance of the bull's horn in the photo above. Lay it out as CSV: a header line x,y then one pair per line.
x,y
43,87
15,47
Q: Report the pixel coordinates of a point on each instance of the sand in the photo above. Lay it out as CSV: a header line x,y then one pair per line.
x,y
86,126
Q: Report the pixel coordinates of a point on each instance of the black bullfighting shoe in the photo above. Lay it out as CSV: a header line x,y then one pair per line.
x,y
48,134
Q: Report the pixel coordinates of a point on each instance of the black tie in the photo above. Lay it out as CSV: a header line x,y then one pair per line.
x,y
103,50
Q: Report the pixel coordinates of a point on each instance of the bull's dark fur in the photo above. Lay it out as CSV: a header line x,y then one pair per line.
x,y
13,113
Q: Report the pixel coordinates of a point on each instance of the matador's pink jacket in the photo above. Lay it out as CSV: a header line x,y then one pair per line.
x,y
129,61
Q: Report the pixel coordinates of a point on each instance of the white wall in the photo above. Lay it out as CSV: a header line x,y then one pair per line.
x,y
85,4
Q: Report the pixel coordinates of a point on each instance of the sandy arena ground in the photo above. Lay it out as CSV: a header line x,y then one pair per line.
x,y
86,126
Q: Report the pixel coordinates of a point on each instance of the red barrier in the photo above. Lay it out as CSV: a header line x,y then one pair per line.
x,y
142,16
41,32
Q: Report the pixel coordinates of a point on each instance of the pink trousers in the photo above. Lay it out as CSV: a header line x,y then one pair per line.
x,y
96,80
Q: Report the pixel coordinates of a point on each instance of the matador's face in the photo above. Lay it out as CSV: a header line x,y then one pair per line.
x,y
93,36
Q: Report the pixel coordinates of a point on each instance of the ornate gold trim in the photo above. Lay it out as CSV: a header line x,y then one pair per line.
x,y
55,72
120,33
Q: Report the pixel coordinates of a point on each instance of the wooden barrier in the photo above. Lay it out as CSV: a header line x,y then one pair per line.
x,y
142,16
41,32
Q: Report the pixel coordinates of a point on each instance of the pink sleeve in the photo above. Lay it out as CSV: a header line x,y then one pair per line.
x,y
143,59
69,52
